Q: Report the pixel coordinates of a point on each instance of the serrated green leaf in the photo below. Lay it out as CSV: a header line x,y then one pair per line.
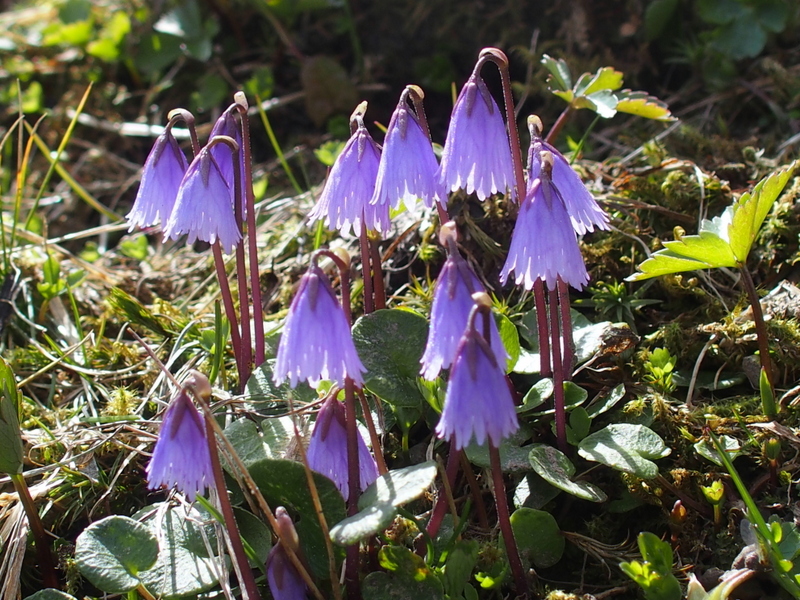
x,y
560,78
606,78
707,248
751,209
643,105
665,262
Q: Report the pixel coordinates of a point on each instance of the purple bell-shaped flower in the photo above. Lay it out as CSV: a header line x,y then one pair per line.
x,y
478,404
327,450
452,303
161,177
583,210
345,200
477,154
204,207
316,342
544,244
285,583
407,170
181,457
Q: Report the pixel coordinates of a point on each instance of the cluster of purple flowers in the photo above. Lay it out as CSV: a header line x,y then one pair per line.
x,y
193,199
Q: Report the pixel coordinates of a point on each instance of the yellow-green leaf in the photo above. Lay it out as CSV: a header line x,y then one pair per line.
x,y
606,78
751,209
643,105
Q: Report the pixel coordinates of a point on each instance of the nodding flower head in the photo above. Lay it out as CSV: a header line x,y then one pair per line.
x,y
327,450
583,210
181,457
204,206
161,177
316,342
345,200
477,153
544,244
478,404
452,303
226,160
408,166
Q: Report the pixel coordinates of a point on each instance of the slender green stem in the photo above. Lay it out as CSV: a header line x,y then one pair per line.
x,y
43,553
366,270
55,162
584,138
542,328
448,481
277,147
504,521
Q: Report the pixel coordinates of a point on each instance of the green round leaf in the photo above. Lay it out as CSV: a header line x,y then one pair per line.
x,y
625,447
50,594
380,500
555,468
187,540
112,552
538,537
390,343
284,483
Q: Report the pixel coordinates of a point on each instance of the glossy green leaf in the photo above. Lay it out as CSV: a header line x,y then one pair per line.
x,y
606,78
378,504
284,483
751,209
625,447
556,469
390,343
50,594
408,577
113,552
538,537
707,450
186,562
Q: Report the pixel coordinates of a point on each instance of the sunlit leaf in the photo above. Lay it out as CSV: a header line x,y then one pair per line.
x,y
751,209
606,78
560,78
642,104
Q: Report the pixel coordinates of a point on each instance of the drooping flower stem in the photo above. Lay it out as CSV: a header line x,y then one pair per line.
x,y
568,354
353,470
445,492
504,521
417,96
245,347
42,544
499,58
475,490
377,449
558,125
558,373
366,270
181,114
243,571
353,484
378,288
761,327
230,309
544,331
255,285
